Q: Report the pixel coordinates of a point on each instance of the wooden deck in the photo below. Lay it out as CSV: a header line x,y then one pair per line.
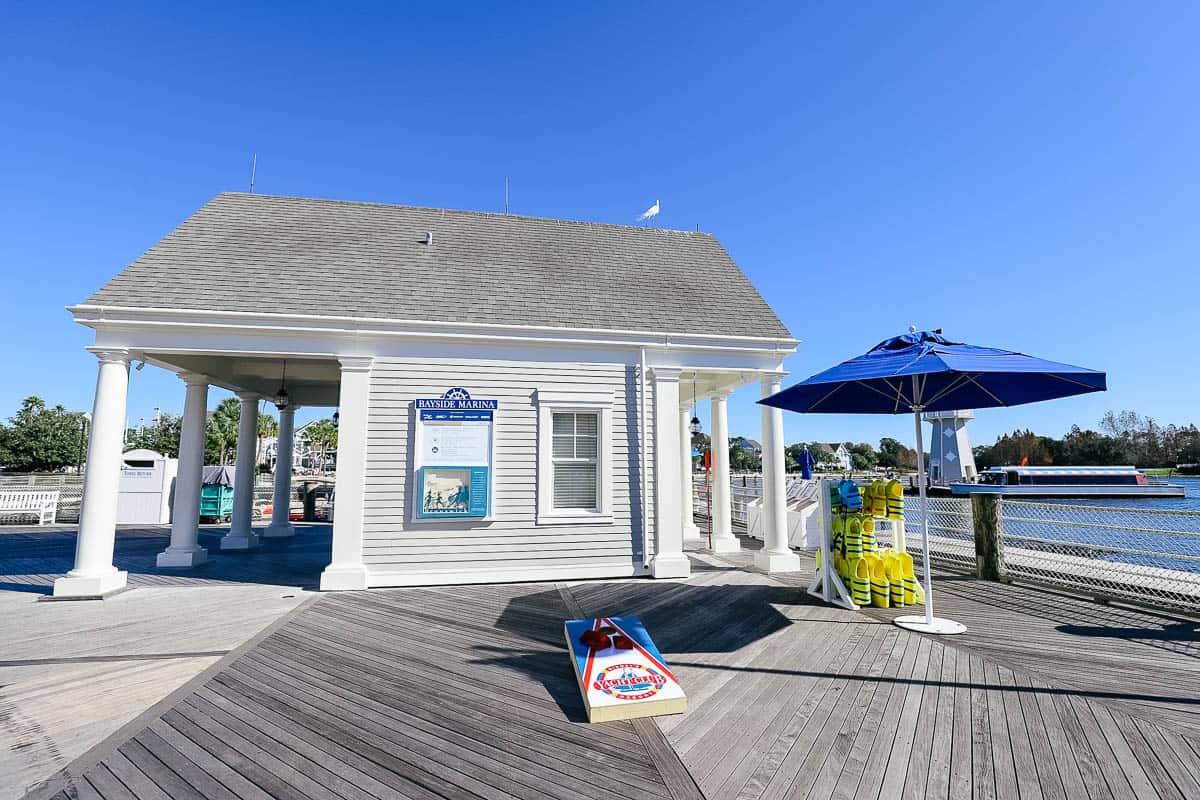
x,y
71,674
31,558
466,692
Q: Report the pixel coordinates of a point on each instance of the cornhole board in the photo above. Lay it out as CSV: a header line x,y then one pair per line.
x,y
623,684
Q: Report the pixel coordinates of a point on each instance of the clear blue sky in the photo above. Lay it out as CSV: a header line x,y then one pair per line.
x,y
1024,175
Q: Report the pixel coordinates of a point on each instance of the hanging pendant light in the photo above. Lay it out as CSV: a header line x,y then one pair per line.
x,y
281,397
694,425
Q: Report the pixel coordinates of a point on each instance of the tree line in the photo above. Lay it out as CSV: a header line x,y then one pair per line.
x,y
1124,438
40,438
744,457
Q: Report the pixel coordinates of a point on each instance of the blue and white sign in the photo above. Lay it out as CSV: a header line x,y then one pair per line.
x,y
456,399
454,455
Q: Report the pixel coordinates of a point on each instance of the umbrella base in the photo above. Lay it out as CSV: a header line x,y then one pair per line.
x,y
945,627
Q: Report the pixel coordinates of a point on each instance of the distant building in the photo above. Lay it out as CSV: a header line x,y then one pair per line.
x,y
841,455
750,446
301,452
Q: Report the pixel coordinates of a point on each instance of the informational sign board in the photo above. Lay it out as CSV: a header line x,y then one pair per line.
x,y
453,460
621,674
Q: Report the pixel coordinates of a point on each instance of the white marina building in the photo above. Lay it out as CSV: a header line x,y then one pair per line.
x,y
514,393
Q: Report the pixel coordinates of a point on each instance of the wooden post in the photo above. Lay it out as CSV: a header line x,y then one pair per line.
x,y
310,502
989,547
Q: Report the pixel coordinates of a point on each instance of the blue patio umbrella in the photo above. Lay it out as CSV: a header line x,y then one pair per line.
x,y
924,371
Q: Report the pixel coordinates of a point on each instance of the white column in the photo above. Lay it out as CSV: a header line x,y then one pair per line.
x,y
691,532
281,524
94,574
185,516
346,570
776,555
241,534
669,560
723,540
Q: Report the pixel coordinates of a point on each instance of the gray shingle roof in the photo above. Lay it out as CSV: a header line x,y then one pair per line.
x,y
259,253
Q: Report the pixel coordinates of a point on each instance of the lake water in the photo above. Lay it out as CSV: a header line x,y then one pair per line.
x,y
1191,502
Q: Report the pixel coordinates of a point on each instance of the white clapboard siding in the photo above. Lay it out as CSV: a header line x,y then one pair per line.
x,y
512,546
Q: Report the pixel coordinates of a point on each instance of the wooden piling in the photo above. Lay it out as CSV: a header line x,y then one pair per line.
x,y
989,546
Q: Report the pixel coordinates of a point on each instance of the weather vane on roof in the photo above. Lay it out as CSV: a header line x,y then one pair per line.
x,y
650,212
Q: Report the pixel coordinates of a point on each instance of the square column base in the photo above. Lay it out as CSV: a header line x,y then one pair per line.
x,y
274,531
92,587
770,562
344,578
187,557
725,544
671,566
240,541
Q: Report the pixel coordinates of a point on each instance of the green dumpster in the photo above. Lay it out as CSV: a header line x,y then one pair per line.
x,y
216,494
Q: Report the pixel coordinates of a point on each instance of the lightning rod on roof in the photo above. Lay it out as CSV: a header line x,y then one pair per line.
x,y
505,194
253,169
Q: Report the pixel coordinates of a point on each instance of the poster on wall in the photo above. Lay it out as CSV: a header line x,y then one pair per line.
x,y
454,455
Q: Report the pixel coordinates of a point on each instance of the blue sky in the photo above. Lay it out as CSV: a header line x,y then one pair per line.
x,y
1022,175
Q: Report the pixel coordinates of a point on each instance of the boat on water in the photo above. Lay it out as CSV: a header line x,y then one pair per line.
x,y
1067,482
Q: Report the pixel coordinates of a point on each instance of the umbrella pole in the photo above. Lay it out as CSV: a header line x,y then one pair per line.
x,y
922,493
928,623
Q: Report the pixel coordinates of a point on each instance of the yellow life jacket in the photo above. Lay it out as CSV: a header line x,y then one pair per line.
x,y
895,500
880,586
895,574
879,499
914,595
869,542
854,539
838,534
860,582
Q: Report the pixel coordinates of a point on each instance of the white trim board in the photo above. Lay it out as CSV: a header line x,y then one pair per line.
x,y
385,578
85,313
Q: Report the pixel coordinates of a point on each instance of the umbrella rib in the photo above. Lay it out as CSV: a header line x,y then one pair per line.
x,y
831,393
959,378
899,395
875,389
1072,380
986,391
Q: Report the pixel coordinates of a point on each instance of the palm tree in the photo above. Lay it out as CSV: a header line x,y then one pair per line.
x,y
322,436
267,426
221,434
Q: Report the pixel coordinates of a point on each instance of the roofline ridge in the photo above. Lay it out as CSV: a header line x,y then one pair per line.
x,y
469,212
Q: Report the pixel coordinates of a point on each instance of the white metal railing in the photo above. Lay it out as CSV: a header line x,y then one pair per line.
x,y
70,489
951,531
1147,555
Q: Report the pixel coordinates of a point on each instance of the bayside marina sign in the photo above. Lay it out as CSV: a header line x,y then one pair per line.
x,y
454,440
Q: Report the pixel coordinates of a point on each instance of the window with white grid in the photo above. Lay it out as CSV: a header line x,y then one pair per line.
x,y
574,457
575,460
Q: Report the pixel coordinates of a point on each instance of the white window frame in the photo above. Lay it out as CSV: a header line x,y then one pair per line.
x,y
601,404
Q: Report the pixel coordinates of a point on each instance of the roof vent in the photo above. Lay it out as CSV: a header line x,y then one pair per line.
x,y
429,237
